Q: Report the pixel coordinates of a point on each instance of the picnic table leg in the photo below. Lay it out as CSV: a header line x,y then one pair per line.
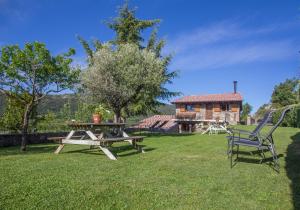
x,y
104,149
133,143
207,130
61,146
108,153
136,146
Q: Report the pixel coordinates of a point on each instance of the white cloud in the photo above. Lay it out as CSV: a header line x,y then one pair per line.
x,y
226,43
218,56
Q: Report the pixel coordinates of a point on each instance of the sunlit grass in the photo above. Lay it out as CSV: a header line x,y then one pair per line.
x,y
177,172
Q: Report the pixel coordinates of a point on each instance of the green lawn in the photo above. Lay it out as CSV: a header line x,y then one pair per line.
x,y
177,172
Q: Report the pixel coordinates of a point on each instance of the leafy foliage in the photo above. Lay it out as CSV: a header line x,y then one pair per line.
x,y
287,93
291,119
262,111
247,108
66,112
11,119
128,30
27,75
117,77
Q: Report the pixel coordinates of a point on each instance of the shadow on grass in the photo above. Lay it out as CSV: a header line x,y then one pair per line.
x,y
31,149
115,150
253,160
162,134
92,151
293,168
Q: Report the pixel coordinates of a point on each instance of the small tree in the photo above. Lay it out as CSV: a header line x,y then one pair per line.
x,y
118,76
247,108
28,75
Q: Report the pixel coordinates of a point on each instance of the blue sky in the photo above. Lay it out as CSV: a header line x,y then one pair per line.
x,y
254,42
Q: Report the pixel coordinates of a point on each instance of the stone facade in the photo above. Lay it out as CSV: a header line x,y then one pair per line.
x,y
231,114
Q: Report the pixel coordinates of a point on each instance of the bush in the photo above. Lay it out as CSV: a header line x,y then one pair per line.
x,y
298,118
292,118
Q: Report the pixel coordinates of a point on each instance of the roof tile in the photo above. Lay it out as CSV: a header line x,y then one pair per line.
x,y
210,98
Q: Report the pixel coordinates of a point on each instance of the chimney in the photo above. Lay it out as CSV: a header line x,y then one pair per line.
x,y
234,86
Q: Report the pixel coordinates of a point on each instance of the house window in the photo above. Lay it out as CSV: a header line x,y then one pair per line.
x,y
225,107
189,108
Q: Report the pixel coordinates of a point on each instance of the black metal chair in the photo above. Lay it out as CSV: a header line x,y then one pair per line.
x,y
256,139
250,134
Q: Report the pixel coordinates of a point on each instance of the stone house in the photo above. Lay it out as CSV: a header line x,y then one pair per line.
x,y
199,109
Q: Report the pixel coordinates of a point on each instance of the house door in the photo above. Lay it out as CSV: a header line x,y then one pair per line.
x,y
209,112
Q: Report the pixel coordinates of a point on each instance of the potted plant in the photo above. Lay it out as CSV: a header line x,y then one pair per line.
x,y
99,114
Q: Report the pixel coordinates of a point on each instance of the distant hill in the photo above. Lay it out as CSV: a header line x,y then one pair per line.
x,y
52,103
55,103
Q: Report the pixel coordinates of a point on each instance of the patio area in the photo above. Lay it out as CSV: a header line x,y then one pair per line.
x,y
177,172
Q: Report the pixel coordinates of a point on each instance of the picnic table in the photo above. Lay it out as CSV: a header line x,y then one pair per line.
x,y
216,126
102,135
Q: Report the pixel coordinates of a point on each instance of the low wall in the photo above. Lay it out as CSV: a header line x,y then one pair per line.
x,y
7,140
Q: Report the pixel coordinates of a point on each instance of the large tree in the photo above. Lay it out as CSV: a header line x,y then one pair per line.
x,y
286,93
129,30
118,76
27,75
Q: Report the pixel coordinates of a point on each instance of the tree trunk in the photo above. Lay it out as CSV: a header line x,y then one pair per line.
x,y
24,139
117,116
25,128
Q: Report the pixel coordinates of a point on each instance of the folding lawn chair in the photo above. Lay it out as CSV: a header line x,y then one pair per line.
x,y
256,139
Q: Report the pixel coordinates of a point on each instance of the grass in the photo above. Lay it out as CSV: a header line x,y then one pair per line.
x,y
177,172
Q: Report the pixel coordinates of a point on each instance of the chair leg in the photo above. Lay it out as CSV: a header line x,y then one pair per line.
x,y
262,154
274,155
228,146
231,153
237,152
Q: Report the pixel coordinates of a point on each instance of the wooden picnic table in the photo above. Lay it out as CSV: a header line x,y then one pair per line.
x,y
216,126
102,135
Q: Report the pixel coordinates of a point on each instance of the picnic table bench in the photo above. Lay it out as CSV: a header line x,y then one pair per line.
x,y
108,134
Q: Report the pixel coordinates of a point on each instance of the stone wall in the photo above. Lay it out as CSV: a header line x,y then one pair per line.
x,y
38,138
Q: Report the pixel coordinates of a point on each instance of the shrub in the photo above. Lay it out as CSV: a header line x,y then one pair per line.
x,y
292,118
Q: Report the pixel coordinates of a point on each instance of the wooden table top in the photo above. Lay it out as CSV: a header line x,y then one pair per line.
x,y
75,124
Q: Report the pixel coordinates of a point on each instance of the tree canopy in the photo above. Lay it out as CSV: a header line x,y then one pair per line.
x,y
129,30
247,108
286,93
118,76
27,75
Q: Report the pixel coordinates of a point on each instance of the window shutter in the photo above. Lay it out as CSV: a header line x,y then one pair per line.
x,y
234,107
197,108
217,108
182,108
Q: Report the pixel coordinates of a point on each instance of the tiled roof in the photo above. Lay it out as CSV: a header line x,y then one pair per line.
x,y
156,121
210,98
